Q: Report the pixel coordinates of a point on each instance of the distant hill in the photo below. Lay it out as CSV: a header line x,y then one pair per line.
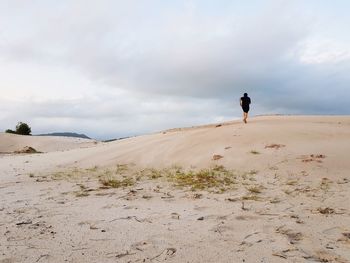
x,y
66,134
116,139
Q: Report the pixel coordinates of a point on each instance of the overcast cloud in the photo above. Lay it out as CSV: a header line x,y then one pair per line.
x,y
121,68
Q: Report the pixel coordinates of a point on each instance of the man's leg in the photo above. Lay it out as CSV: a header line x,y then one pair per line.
x,y
245,115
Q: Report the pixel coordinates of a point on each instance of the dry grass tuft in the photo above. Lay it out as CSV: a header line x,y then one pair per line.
x,y
112,182
256,189
122,168
60,175
217,177
204,179
151,173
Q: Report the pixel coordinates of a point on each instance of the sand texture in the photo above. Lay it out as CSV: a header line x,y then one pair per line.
x,y
274,190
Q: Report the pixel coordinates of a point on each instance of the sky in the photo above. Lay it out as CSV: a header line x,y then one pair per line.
x,y
113,68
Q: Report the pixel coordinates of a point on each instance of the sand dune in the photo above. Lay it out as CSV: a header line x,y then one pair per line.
x,y
274,190
13,142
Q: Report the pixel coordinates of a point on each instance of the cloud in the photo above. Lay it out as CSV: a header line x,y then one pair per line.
x,y
139,62
324,51
103,117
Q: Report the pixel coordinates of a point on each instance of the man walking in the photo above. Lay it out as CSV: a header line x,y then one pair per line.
x,y
245,102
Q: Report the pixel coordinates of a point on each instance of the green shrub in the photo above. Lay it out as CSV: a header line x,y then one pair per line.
x,y
23,129
10,131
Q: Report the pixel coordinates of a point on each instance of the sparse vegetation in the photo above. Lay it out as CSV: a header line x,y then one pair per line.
x,y
217,177
122,168
60,175
256,189
250,176
112,182
151,173
254,152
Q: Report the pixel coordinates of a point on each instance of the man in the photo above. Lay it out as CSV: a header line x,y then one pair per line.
x,y
245,102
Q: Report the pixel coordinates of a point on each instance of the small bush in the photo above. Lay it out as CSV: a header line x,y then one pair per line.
x,y
21,128
10,131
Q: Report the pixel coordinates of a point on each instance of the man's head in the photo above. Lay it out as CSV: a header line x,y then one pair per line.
x,y
245,94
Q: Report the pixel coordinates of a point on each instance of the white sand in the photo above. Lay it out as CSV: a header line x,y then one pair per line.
x,y
302,213
12,142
